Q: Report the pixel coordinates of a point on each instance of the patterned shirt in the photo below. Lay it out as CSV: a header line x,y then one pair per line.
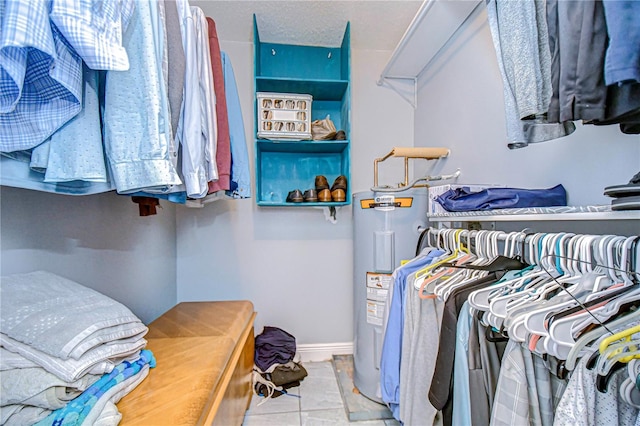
x,y
40,76
95,28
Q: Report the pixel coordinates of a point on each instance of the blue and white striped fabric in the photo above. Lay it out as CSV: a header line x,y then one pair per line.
x,y
95,29
78,409
40,76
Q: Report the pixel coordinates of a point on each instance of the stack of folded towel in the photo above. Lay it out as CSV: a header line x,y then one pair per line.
x,y
67,352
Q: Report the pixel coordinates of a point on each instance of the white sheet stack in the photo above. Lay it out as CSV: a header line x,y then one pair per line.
x,y
58,337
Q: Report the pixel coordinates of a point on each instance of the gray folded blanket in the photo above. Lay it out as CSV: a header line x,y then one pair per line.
x,y
60,317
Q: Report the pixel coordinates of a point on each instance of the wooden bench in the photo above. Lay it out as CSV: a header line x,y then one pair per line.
x,y
204,353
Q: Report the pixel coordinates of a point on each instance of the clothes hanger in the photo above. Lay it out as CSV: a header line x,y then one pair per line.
x,y
529,321
444,289
498,299
592,335
451,253
427,290
446,272
521,292
568,302
479,299
615,351
564,330
535,320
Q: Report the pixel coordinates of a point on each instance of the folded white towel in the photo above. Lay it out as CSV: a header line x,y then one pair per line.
x,y
60,317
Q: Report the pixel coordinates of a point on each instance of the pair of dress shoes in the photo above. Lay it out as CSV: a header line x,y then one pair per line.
x,y
296,196
322,192
338,191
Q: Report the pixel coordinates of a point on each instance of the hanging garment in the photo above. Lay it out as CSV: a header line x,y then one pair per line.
x,y
461,393
393,328
189,131
581,33
176,63
422,318
520,38
136,113
240,185
94,28
622,65
440,389
622,58
207,95
75,151
40,76
223,147
583,404
527,393
72,157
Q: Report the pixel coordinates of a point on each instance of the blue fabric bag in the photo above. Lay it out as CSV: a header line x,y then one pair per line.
x,y
463,200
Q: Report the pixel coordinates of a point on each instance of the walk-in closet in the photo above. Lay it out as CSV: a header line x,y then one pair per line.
x,y
377,213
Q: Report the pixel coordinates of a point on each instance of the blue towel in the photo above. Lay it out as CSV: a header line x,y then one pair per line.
x,y
78,409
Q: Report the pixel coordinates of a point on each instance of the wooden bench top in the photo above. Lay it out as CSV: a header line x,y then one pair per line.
x,y
191,319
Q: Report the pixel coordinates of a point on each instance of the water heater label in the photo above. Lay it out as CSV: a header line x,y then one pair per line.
x,y
386,202
377,292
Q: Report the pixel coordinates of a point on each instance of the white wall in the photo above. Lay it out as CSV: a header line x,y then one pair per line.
x,y
460,104
295,266
99,241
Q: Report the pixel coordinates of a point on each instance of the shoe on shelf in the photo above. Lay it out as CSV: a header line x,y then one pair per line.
x,y
339,195
310,196
295,196
321,183
339,189
340,183
324,195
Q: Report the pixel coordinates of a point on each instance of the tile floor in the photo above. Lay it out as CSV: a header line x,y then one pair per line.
x,y
317,402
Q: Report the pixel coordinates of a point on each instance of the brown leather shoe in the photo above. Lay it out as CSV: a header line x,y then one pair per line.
x,y
321,183
339,195
324,196
340,183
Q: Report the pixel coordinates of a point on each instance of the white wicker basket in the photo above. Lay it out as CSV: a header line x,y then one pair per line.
x,y
284,116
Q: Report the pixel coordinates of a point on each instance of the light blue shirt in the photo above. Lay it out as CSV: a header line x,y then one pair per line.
x,y
18,174
75,151
461,392
392,343
240,174
136,113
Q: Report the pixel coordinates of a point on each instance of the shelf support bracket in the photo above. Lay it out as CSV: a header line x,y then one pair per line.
x,y
410,96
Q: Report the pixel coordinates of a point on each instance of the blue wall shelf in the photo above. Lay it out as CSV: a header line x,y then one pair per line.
x,y
319,71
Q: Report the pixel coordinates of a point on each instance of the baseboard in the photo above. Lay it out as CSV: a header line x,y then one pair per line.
x,y
315,352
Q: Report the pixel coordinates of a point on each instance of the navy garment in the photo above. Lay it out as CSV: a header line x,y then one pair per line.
x,y
463,200
272,346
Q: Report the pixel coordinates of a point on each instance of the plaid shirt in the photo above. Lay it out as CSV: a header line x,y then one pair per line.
x,y
40,76
95,28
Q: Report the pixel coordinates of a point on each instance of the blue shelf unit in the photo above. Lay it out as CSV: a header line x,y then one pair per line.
x,y
323,73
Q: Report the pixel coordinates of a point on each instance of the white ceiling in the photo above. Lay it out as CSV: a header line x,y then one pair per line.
x,y
375,25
